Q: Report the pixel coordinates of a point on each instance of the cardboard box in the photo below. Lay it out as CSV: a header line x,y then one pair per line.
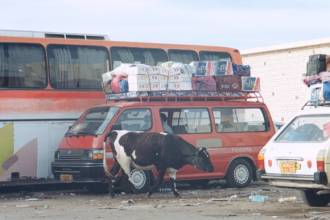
x,y
184,85
228,83
204,83
250,84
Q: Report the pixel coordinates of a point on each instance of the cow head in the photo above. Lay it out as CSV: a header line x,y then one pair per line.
x,y
203,160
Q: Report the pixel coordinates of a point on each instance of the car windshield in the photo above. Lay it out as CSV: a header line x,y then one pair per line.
x,y
93,122
311,128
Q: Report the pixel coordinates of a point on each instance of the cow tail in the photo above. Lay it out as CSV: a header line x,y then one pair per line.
x,y
105,165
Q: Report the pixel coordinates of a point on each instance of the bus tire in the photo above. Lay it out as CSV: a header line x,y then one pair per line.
x,y
311,198
142,182
239,174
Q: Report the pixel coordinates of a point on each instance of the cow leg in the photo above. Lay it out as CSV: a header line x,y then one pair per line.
x,y
112,177
161,173
172,174
125,164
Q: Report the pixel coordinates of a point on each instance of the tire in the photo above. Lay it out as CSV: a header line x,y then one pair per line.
x,y
311,198
239,174
142,178
98,188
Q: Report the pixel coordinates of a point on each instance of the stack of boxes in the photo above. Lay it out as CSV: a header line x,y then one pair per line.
x,y
218,76
317,77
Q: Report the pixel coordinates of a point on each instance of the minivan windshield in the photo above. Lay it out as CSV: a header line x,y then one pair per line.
x,y
307,128
93,122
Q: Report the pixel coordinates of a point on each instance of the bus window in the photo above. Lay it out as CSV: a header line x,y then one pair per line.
x,y
213,55
77,67
239,119
137,55
22,66
182,56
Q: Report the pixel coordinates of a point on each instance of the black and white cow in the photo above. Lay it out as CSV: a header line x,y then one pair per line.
x,y
145,150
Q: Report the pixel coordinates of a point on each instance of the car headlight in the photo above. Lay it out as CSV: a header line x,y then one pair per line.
x,y
95,154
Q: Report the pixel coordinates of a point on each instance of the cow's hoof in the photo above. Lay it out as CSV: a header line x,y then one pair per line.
x,y
176,194
149,194
112,195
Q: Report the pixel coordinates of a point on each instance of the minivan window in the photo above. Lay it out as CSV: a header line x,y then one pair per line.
x,y
134,120
188,120
239,119
93,122
311,128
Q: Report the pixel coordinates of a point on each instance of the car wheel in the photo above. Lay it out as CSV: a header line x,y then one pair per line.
x,y
239,174
142,181
311,198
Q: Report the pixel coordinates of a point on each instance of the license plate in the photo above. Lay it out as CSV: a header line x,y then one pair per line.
x,y
66,178
289,166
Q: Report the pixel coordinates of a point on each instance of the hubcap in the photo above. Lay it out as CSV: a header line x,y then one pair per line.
x,y
139,178
241,174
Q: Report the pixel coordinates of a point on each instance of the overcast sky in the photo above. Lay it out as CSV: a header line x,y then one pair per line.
x,y
242,24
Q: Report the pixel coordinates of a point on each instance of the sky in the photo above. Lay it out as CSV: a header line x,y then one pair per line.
x,y
233,23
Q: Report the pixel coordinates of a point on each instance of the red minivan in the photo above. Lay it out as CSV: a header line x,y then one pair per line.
x,y
233,131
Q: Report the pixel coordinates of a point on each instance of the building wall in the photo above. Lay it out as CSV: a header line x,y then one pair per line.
x,y
280,72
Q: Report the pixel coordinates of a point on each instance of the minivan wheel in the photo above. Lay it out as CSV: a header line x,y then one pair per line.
x,y
311,198
239,174
142,181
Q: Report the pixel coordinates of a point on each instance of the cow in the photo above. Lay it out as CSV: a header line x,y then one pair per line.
x,y
145,150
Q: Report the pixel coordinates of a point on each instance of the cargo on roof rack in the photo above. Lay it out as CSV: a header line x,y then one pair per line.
x,y
184,96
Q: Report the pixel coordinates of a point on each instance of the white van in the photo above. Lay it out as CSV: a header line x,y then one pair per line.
x,y
298,156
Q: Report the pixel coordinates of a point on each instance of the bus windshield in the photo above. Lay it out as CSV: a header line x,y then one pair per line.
x,y
311,128
93,122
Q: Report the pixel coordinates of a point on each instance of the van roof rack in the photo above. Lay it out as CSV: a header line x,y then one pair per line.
x,y
316,103
190,95
40,34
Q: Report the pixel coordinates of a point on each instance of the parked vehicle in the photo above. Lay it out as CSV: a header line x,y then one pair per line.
x,y
48,79
298,156
233,131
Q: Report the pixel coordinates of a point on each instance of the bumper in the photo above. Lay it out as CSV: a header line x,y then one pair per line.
x,y
81,171
316,181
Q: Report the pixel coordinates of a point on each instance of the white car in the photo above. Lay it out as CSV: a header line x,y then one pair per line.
x,y
298,156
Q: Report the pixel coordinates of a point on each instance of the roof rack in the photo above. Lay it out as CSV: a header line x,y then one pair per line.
x,y
180,96
39,34
316,103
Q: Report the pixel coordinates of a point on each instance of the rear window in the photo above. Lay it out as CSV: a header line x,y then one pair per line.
x,y
77,67
213,55
22,66
149,56
312,128
182,56
239,119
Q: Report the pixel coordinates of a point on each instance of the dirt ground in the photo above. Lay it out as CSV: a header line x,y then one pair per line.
x,y
215,202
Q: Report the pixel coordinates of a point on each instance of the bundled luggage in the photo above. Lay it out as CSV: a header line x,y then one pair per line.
x,y
212,76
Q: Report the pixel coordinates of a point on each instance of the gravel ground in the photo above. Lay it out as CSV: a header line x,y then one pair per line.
x,y
214,202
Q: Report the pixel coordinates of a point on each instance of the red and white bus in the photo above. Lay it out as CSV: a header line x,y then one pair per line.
x,y
48,79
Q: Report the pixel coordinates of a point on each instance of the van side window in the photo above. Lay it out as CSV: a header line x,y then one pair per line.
x,y
134,120
188,120
239,119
